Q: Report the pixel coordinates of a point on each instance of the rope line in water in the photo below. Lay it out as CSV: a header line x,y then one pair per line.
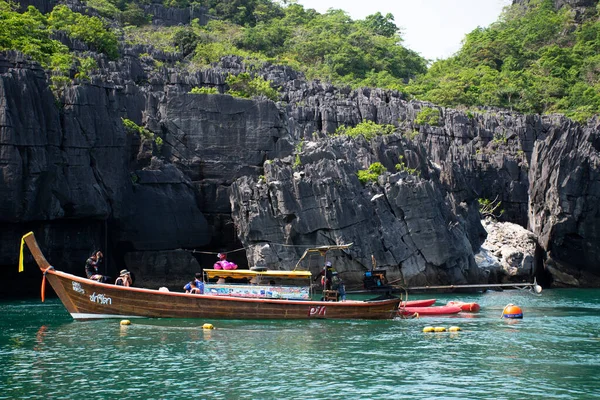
x,y
186,328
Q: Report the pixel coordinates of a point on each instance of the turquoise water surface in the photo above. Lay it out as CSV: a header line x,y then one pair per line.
x,y
553,353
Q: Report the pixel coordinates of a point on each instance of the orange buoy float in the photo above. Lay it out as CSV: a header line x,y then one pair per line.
x,y
512,311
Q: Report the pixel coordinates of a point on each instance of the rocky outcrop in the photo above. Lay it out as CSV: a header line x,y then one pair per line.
x,y
497,153
492,149
422,226
74,164
579,8
508,253
564,210
168,16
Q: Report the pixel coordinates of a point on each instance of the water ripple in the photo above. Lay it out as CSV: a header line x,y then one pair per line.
x,y
553,353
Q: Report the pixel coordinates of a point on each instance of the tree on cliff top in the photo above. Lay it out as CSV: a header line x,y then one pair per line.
x,y
535,59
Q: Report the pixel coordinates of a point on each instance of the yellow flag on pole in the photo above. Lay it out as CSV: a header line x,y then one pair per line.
x,y
21,255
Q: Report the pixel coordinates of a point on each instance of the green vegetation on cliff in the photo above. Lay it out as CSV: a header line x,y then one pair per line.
x,y
366,129
533,60
371,174
31,33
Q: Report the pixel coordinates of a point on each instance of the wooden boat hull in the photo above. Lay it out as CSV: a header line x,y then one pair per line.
x,y
86,299
418,303
439,310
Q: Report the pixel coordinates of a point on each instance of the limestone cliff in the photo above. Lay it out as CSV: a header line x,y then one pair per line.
x,y
423,226
226,174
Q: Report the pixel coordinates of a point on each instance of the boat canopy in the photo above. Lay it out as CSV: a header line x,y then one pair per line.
x,y
246,273
322,250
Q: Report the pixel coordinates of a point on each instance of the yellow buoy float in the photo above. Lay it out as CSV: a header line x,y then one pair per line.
x,y
208,326
428,329
125,322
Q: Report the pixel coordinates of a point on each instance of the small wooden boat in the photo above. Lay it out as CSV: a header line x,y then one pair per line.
x,y
86,299
467,307
436,310
417,303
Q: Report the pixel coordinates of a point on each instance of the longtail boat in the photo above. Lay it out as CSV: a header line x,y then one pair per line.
x,y
87,299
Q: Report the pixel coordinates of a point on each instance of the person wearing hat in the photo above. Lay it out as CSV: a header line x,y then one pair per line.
x,y
124,278
326,274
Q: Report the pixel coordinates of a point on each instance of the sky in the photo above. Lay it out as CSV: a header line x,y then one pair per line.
x,y
432,28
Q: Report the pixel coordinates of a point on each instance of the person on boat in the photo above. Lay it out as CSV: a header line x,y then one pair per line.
x,y
326,274
338,284
223,263
196,286
91,267
124,278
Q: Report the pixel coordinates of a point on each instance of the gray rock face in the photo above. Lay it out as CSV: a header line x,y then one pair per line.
x,y
490,149
564,192
497,153
167,16
221,137
579,8
75,164
152,269
404,221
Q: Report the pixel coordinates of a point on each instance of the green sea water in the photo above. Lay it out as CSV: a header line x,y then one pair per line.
x,y
552,353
